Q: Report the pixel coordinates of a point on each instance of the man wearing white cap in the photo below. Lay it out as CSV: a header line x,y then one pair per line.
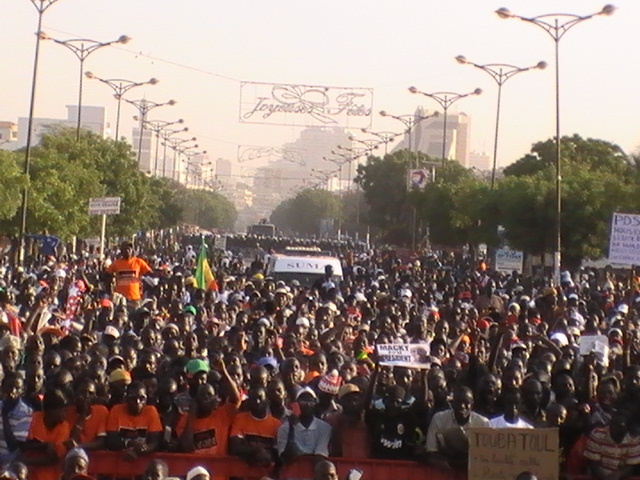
x,y
304,434
198,473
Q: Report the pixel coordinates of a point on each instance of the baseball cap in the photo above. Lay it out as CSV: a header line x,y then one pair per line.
x,y
106,303
111,331
120,374
197,471
303,321
348,388
190,309
268,362
306,390
196,365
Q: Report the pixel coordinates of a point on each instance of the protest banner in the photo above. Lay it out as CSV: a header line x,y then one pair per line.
x,y
410,355
587,343
624,241
508,260
504,453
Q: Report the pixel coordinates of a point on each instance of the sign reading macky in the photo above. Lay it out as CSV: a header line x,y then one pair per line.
x,y
104,206
305,105
504,453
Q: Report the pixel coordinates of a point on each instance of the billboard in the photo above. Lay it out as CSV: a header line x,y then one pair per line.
x,y
305,105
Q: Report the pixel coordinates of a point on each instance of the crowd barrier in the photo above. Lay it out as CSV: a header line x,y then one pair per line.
x,y
111,464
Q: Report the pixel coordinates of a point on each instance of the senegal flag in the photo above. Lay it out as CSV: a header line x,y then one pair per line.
x,y
204,276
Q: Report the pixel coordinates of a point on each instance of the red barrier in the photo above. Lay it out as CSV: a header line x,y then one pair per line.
x,y
111,464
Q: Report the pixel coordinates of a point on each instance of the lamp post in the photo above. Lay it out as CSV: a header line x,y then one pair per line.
x,y
166,136
144,106
120,87
445,100
557,25
82,48
41,7
157,126
500,72
175,144
410,121
385,137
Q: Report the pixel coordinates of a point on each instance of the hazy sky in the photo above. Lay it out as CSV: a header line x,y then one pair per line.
x,y
201,50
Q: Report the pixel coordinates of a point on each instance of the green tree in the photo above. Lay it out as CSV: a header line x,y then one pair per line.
x,y
303,214
206,209
596,181
12,181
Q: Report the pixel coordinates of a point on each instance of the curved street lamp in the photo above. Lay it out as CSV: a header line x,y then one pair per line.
x,y
385,137
144,106
557,25
157,126
120,87
500,72
41,7
445,100
82,48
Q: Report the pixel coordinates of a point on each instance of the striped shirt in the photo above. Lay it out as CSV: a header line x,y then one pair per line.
x,y
611,456
19,420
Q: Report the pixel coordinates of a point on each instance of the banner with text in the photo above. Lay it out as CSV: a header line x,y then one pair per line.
x,y
305,105
624,242
411,355
504,453
508,260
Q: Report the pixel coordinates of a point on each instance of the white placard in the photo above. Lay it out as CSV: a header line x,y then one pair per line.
x,y
220,242
588,343
624,242
411,355
508,260
104,206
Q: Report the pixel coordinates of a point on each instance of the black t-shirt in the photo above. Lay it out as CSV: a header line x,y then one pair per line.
x,y
392,438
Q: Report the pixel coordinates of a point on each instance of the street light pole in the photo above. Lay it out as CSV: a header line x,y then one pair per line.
x,y
41,7
166,136
177,145
557,25
82,48
445,100
500,72
120,87
144,106
385,137
157,126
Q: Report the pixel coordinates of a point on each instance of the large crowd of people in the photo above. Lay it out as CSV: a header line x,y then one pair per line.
x,y
129,355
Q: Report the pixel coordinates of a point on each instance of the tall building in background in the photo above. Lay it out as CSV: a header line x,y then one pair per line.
x,y
8,135
224,171
145,151
480,160
93,119
428,135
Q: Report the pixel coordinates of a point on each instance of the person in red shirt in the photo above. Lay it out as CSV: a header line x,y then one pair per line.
x,y
128,271
45,446
134,427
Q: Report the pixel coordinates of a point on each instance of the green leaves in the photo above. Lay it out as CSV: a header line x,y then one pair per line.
x,y
305,213
66,173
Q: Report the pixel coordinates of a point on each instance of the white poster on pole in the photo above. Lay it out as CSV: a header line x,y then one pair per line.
x,y
508,260
104,206
624,242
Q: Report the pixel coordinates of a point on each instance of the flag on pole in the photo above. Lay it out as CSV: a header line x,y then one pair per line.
x,y
204,275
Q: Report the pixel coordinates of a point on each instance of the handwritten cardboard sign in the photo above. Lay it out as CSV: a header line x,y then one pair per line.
x,y
411,355
504,453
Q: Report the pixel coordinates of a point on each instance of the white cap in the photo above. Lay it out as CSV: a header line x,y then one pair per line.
x,y
196,471
111,330
303,321
405,292
623,308
560,338
61,273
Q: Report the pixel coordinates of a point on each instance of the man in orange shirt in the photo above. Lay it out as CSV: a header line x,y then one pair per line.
x,y
128,271
205,428
45,445
134,427
253,433
88,422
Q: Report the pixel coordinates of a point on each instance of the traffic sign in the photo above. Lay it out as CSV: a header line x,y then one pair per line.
x,y
104,206
418,178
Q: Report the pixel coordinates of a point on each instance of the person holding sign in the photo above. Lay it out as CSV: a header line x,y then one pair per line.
x,y
447,442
